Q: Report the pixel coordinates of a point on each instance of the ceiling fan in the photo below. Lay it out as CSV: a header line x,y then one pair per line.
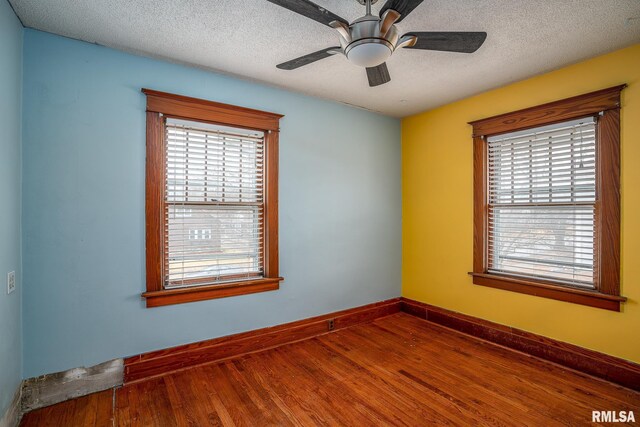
x,y
370,40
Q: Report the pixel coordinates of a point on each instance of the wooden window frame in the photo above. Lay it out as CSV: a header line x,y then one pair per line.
x,y
605,105
161,105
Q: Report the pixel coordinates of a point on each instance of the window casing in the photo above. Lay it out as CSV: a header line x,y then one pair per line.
x,y
211,203
547,200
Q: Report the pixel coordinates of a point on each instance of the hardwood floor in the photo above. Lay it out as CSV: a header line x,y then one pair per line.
x,y
397,370
93,410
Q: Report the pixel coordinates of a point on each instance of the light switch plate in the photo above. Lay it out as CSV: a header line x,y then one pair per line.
x,y
11,282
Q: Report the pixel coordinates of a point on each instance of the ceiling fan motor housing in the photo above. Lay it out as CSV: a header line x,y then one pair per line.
x,y
368,47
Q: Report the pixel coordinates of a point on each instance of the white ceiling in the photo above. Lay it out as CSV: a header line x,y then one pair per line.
x,y
247,38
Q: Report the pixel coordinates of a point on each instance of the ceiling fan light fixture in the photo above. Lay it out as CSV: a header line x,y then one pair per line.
x,y
369,53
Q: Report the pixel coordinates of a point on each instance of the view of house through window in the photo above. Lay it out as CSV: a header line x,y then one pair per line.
x,y
542,194
214,203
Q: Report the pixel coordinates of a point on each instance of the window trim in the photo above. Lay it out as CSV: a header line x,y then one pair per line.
x,y
160,105
606,104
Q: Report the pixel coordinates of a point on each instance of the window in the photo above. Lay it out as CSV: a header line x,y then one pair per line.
x,y
215,173
547,200
211,206
541,203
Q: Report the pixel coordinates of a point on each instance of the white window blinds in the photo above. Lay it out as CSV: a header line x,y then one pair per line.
x,y
214,204
542,192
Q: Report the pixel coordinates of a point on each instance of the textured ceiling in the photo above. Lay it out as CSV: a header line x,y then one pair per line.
x,y
248,38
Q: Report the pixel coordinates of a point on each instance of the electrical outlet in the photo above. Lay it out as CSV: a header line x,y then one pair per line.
x,y
331,324
11,282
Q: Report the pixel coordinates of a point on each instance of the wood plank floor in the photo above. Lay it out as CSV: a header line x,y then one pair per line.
x,y
397,370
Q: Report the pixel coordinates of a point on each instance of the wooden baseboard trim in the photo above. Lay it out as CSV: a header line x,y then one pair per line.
x,y
53,388
162,362
50,389
13,414
590,362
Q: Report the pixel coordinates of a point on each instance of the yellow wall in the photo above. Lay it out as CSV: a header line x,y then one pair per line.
x,y
438,206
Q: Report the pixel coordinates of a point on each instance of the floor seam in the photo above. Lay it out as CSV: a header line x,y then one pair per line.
x,y
113,408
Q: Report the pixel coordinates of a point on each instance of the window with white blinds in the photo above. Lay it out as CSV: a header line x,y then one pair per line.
x,y
214,204
541,203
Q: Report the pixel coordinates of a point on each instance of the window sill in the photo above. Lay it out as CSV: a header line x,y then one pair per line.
x,y
201,293
547,290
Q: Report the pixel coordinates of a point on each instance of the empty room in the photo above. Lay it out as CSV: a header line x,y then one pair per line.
x,y
319,213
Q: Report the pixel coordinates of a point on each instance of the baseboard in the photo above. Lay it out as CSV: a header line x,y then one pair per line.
x,y
156,363
591,362
13,414
53,388
49,389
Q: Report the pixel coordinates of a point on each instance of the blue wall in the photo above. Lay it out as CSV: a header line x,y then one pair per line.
x,y
10,135
83,207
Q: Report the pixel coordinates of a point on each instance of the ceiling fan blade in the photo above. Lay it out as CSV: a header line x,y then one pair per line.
x,y
403,7
464,42
378,75
309,58
310,10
